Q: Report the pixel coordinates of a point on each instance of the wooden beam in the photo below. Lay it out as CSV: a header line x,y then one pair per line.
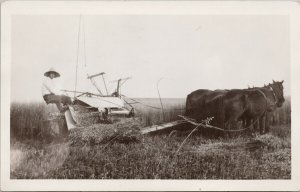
x,y
192,121
155,128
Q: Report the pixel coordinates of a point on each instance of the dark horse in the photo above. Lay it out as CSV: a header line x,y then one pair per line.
x,y
204,103
274,98
237,102
226,106
230,106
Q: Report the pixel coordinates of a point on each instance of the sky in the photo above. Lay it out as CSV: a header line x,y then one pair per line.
x,y
188,52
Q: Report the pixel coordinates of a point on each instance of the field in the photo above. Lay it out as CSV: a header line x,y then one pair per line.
x,y
82,154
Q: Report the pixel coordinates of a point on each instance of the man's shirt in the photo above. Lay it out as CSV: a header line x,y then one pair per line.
x,y
50,86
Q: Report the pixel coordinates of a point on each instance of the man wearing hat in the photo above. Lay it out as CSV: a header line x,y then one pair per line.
x,y
51,92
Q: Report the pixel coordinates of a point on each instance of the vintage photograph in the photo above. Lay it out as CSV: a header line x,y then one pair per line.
x,y
150,96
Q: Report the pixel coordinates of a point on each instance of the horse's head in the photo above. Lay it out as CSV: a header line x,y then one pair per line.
x,y
278,91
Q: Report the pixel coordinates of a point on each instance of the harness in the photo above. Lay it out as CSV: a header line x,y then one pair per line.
x,y
274,95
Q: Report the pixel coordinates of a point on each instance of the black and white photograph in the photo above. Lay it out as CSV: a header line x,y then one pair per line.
x,y
168,95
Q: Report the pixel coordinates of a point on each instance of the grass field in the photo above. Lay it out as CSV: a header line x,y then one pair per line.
x,y
151,156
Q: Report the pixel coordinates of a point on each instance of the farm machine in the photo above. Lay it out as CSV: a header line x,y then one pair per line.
x,y
90,108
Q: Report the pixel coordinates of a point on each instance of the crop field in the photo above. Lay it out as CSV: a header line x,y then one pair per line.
x,y
95,152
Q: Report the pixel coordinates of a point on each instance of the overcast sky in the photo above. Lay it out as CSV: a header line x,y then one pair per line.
x,y
189,52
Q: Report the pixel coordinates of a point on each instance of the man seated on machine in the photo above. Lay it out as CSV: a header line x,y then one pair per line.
x,y
51,92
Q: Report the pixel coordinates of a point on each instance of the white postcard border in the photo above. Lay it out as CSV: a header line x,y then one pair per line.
x,y
10,8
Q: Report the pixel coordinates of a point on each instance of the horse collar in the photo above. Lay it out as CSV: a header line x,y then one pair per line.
x,y
274,95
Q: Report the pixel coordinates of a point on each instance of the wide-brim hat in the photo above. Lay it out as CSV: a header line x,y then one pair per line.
x,y
52,70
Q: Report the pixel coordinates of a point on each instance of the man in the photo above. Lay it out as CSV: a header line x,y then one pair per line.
x,y
51,91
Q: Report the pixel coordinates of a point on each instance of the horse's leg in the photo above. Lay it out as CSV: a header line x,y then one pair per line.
x,y
267,122
247,125
256,124
261,124
231,124
246,122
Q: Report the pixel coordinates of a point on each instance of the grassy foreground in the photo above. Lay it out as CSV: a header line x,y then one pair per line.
x,y
155,157
82,155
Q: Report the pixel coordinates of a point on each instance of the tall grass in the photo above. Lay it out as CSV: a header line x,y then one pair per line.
x,y
282,115
26,118
150,116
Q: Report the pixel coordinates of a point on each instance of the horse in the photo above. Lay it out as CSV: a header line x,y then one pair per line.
x,y
274,98
198,99
204,103
231,106
226,106
256,109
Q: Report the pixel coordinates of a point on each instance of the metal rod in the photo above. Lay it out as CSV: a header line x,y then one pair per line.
x,y
95,84
118,87
77,55
84,49
87,93
92,76
104,84
120,79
